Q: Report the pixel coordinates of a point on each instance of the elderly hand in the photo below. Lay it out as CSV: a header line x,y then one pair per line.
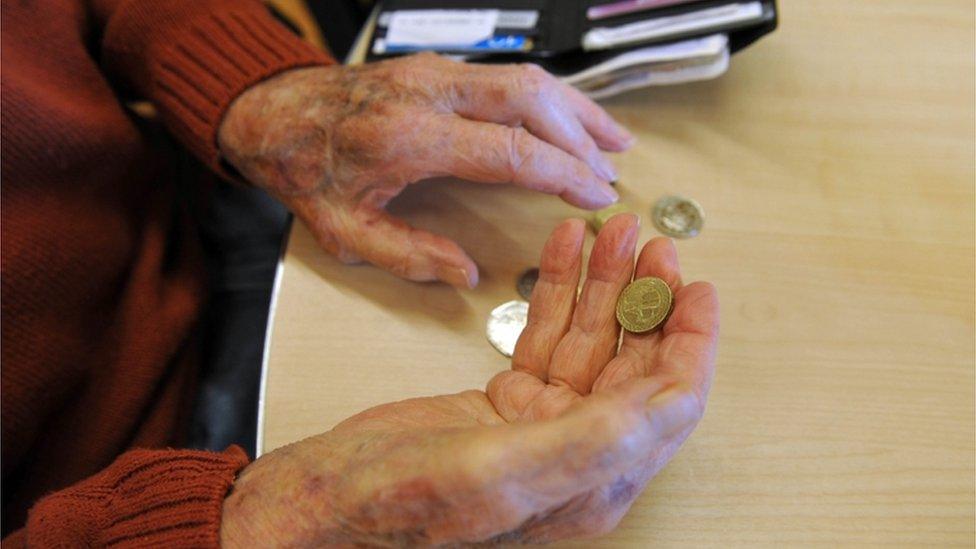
x,y
557,447
335,144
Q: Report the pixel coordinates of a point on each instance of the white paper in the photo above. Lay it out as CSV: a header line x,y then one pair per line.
x,y
427,28
662,27
696,47
652,77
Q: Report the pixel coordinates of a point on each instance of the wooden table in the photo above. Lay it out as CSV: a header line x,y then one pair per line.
x,y
835,162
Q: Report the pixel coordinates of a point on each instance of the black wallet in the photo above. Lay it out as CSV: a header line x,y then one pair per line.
x,y
555,38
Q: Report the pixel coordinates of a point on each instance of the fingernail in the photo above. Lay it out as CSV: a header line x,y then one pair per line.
x,y
625,135
608,194
457,277
605,169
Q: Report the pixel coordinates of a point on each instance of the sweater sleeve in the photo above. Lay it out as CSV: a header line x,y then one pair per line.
x,y
160,498
192,58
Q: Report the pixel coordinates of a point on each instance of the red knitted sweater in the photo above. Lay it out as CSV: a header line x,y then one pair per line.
x,y
100,284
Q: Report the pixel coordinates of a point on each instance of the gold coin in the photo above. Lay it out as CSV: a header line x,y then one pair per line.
x,y
678,217
600,217
644,305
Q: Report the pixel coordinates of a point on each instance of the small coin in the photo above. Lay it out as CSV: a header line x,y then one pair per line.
x,y
644,304
678,217
600,217
505,325
526,283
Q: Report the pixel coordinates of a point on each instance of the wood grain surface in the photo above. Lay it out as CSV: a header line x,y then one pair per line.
x,y
835,163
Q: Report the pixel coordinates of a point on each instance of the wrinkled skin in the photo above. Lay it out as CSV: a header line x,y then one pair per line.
x,y
558,446
335,144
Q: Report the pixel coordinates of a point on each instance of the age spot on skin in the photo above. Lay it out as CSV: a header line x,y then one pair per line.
x,y
317,486
622,492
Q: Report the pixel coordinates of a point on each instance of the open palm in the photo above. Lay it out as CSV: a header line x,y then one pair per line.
x,y
559,446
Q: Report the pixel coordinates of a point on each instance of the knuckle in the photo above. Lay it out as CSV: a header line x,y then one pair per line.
x,y
622,435
535,81
400,266
520,151
533,71
692,400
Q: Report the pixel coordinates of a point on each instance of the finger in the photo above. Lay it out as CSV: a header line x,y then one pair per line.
x,y
605,436
491,153
490,93
410,253
559,126
608,134
553,299
658,258
685,349
526,95
592,338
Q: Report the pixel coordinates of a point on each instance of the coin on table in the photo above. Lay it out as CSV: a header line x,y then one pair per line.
x,y
526,283
505,325
678,217
644,305
600,217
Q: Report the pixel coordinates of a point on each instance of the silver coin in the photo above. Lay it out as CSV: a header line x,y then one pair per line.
x,y
505,325
526,283
678,217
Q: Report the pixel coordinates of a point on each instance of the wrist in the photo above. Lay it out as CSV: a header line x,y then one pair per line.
x,y
240,523
273,132
279,500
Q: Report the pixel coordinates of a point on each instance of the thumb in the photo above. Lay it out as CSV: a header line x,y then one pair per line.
x,y
408,252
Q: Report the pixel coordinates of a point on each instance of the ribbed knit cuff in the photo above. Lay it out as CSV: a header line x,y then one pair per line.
x,y
192,59
166,498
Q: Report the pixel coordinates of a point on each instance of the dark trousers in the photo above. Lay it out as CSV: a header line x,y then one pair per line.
x,y
242,230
